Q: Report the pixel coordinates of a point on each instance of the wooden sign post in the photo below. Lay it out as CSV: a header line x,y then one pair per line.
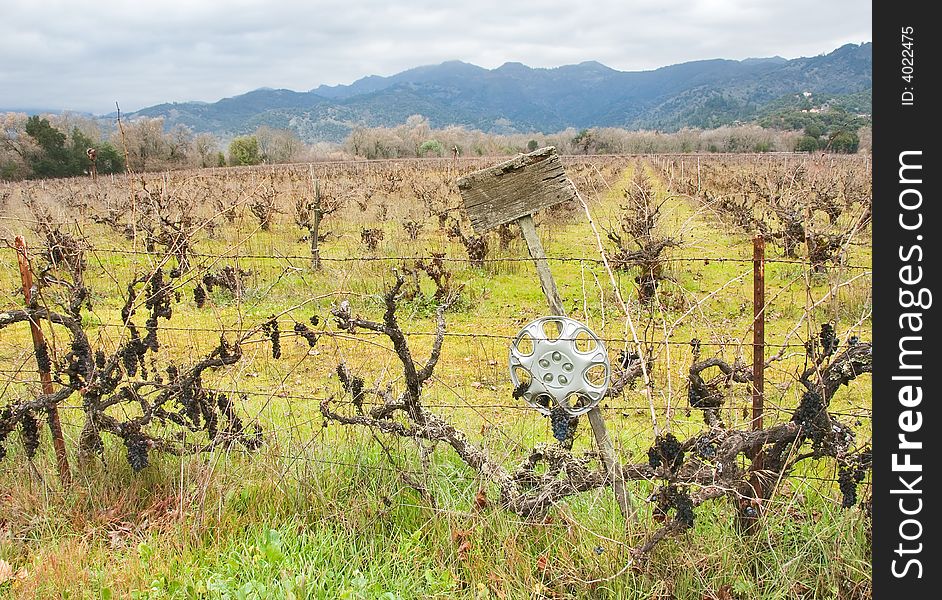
x,y
513,191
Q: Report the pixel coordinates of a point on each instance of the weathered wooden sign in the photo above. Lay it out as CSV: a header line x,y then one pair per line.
x,y
515,188
513,191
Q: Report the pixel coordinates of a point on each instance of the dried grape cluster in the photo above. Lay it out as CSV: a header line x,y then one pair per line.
x,y
673,497
705,448
29,427
137,448
273,333
352,384
812,418
132,355
42,358
828,339
159,301
850,473
78,362
305,332
667,451
199,296
520,390
700,395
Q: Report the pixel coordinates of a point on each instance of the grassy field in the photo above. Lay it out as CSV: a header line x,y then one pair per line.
x,y
330,511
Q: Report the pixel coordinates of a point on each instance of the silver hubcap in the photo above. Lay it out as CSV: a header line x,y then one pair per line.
x,y
563,361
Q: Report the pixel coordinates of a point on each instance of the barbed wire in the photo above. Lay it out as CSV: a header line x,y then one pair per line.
x,y
494,259
447,334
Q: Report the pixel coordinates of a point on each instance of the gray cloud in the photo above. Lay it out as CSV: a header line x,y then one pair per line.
x,y
62,54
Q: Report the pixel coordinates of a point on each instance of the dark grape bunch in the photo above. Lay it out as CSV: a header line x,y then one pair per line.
x,y
626,358
698,396
828,338
668,451
137,448
851,473
42,358
809,416
159,301
705,448
521,389
199,296
29,427
132,355
78,362
559,419
671,497
305,332
100,359
352,384
272,332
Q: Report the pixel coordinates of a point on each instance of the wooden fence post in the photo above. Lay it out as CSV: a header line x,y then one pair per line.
x,y
754,492
758,330
45,377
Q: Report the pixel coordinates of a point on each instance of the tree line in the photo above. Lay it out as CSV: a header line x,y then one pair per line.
x,y
416,138
35,147
50,146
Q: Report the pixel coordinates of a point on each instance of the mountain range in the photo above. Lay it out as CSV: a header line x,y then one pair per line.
x,y
517,98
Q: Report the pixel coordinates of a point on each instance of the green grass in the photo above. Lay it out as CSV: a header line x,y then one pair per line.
x,y
356,531
322,513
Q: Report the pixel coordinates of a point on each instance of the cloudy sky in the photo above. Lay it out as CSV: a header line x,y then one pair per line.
x,y
85,56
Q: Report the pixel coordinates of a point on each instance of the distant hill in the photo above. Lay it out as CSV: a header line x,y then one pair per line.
x,y
517,98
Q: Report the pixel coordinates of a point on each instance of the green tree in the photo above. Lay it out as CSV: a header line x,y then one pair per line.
x,y
433,147
807,144
109,159
584,140
844,142
814,130
79,162
532,145
763,146
243,150
54,154
52,159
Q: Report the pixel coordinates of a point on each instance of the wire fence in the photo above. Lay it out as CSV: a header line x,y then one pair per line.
x,y
700,311
25,372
